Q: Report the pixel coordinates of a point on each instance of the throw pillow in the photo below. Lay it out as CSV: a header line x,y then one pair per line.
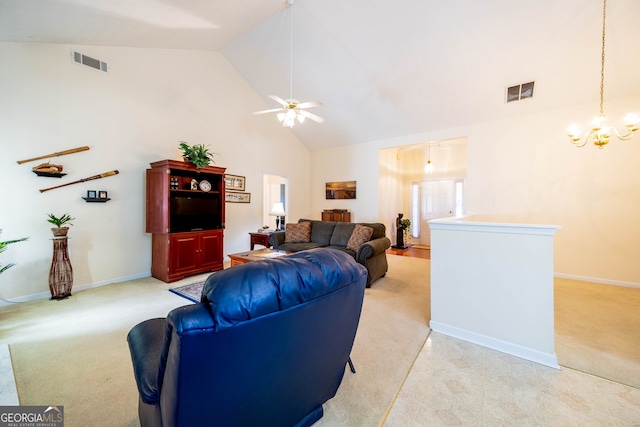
x,y
360,236
298,233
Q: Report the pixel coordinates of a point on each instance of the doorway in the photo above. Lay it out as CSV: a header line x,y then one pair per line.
x,y
433,199
275,190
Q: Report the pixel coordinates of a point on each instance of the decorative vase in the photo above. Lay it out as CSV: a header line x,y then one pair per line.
x,y
60,231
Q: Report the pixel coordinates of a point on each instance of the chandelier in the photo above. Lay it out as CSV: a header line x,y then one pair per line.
x,y
428,168
600,132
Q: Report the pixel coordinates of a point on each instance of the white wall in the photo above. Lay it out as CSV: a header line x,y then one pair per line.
x,y
523,166
135,114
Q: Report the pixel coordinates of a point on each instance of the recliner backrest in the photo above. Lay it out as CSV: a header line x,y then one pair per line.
x,y
268,343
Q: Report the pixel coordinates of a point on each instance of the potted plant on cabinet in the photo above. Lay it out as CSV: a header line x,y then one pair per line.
x,y
197,154
59,222
3,247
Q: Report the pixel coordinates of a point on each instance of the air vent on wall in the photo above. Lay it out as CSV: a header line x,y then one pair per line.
x,y
83,59
521,91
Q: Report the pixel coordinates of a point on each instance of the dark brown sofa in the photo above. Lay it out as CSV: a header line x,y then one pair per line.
x,y
335,235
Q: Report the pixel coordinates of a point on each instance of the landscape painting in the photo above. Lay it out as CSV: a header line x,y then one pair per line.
x,y
341,190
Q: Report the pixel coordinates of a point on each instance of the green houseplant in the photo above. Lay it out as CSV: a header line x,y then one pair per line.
x,y
61,224
197,154
406,229
3,247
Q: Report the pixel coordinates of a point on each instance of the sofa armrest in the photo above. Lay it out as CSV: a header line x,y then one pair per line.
x,y
372,248
276,239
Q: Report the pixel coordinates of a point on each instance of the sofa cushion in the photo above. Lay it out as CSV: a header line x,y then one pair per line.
x,y
321,231
298,233
360,236
341,233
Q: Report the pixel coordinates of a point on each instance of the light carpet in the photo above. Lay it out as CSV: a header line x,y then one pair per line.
x,y
596,329
74,353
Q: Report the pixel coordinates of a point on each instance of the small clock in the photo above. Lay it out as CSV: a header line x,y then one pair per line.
x,y
205,185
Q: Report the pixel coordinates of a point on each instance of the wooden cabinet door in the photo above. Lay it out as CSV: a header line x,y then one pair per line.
x,y
183,253
210,250
157,200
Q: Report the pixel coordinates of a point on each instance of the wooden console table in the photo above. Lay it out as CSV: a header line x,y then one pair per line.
x,y
339,215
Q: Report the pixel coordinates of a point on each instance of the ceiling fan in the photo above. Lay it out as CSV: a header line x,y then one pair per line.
x,y
291,109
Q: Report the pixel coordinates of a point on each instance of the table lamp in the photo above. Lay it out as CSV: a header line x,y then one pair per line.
x,y
278,211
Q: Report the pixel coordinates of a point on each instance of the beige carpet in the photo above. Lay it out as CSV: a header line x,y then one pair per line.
x,y
598,329
74,352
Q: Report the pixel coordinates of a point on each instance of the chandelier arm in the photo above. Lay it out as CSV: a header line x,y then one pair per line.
x,y
627,136
581,142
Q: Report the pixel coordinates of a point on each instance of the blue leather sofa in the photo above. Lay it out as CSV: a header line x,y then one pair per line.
x,y
266,346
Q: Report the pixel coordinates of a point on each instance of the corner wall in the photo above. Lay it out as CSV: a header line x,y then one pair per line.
x,y
133,115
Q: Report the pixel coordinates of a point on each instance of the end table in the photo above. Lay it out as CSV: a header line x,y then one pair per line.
x,y
260,239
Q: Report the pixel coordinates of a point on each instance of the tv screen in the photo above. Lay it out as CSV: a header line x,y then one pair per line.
x,y
195,213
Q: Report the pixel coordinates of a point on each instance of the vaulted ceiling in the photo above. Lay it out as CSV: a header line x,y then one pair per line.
x,y
382,68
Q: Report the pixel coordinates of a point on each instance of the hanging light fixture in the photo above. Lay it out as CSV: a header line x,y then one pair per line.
x,y
428,168
291,109
600,132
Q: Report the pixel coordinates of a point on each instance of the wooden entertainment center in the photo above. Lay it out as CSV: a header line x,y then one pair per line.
x,y
186,216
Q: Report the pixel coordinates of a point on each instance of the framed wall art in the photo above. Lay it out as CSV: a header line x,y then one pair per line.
x,y
234,182
236,197
341,190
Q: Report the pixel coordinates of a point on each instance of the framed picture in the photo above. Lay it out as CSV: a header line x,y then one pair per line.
x,y
341,190
237,197
91,194
102,194
234,183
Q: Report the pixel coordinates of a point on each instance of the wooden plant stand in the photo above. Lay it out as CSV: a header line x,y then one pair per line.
x,y
61,273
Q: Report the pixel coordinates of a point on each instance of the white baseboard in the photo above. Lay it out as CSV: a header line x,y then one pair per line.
x,y
597,280
495,344
47,294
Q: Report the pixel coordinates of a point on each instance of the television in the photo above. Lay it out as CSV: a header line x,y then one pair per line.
x,y
194,213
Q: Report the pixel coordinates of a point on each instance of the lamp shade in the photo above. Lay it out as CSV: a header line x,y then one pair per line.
x,y
277,210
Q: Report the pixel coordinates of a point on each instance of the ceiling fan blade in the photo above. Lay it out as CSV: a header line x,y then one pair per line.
x,y
267,111
279,100
311,116
310,104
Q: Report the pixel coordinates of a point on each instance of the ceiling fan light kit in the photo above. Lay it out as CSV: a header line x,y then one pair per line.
x,y
291,109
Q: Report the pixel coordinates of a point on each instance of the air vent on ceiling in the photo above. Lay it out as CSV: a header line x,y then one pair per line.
x,y
83,59
521,91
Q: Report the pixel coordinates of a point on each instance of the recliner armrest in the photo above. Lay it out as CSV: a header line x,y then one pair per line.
x,y
146,341
372,248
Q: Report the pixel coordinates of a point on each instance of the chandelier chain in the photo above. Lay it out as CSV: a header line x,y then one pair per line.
x,y
604,16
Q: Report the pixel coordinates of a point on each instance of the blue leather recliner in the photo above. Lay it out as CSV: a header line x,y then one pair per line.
x,y
266,346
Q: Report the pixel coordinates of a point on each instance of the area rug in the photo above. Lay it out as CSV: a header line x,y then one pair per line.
x,y
192,291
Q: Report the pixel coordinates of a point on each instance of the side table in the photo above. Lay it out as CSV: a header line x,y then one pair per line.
x,y
260,239
61,273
